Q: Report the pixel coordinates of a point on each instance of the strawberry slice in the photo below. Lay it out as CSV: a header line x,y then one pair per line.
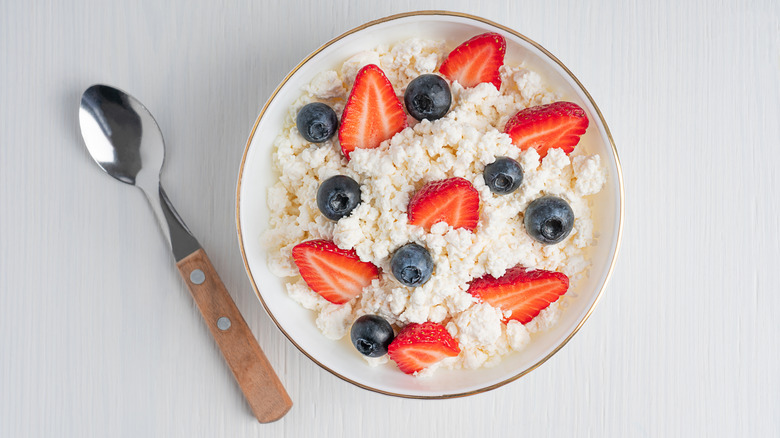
x,y
373,112
419,346
525,293
452,200
476,61
336,274
543,127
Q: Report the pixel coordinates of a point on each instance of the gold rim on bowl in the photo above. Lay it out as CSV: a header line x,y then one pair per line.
x,y
505,29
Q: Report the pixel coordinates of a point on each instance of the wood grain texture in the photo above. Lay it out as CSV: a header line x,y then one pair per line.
x,y
95,323
261,386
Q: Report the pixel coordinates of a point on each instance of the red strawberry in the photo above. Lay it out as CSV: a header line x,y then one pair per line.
x,y
543,127
336,274
525,293
373,112
452,200
476,61
419,346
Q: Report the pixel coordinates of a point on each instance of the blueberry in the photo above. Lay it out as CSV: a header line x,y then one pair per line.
x,y
412,265
548,219
428,97
338,196
371,335
317,122
503,175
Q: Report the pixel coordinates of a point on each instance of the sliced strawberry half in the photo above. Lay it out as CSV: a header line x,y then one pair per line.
x,y
544,127
525,293
373,112
453,200
336,274
419,346
476,61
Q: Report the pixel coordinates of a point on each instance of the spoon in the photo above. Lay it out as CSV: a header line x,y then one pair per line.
x,y
125,141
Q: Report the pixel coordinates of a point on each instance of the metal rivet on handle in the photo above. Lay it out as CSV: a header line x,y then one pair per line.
x,y
223,323
197,276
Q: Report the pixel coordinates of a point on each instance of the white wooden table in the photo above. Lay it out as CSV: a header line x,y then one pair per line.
x,y
99,336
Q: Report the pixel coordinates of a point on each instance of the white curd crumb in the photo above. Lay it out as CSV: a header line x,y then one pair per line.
x,y
306,297
326,85
353,65
590,176
334,320
517,335
376,361
546,318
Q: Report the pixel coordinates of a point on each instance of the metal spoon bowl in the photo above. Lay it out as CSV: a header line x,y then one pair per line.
x,y
124,140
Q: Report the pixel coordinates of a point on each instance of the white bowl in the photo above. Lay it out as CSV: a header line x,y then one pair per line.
x,y
297,323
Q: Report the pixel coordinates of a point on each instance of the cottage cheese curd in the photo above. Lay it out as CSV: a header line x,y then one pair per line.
x,y
458,145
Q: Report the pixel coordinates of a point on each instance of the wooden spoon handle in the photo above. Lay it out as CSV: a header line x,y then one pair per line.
x,y
258,381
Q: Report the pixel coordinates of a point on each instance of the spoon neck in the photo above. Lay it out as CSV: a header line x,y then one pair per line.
x,y
176,232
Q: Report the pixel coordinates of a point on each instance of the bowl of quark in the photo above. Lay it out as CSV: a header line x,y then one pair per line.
x,y
297,323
